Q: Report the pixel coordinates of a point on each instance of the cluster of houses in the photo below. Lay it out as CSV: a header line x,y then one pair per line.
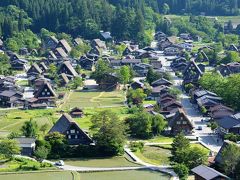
x,y
170,45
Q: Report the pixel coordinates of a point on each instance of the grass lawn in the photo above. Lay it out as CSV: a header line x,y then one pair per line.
x,y
119,161
94,99
58,175
85,121
155,155
22,83
160,154
125,175
12,120
161,139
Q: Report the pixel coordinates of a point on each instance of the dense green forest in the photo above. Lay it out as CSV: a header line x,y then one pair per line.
x,y
126,19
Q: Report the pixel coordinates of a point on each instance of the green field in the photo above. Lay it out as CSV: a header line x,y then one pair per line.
x,y
155,155
64,175
12,120
160,154
161,139
94,99
221,19
101,162
125,175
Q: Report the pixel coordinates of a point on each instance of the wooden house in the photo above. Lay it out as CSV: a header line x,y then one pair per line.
x,y
171,105
11,98
180,123
64,45
220,111
76,113
228,124
77,41
46,94
230,68
64,80
73,133
203,172
192,73
87,64
66,67
34,70
108,82
43,67
60,53
161,81
51,42
27,145
100,44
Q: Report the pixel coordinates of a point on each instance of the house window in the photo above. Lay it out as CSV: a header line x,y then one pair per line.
x,y
184,122
67,132
72,131
69,136
77,132
43,93
76,136
48,93
45,90
178,122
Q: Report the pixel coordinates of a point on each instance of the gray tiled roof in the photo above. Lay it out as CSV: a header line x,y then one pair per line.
x,y
207,172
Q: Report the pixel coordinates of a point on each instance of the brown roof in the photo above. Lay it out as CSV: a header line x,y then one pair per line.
x,y
65,78
65,44
70,68
178,114
171,103
42,87
52,54
61,52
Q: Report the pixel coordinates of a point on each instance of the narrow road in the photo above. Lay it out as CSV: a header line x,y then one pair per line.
x,y
206,138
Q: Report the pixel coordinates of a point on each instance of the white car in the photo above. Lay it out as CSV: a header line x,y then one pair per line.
x,y
59,163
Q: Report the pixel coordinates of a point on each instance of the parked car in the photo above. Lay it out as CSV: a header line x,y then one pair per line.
x,y
199,128
59,163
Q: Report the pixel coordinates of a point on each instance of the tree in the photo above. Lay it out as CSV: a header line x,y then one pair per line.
x,y
58,144
44,128
41,152
195,157
30,128
135,97
180,144
230,158
181,170
78,69
110,133
152,76
8,148
125,74
76,82
102,68
158,124
231,56
140,125
165,9
52,71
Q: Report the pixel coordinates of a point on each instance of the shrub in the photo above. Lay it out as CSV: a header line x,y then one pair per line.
x,y
135,146
181,170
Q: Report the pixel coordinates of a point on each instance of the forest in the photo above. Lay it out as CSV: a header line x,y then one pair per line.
x,y
125,19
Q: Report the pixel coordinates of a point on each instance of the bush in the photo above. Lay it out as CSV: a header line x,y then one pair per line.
x,y
232,137
181,170
135,146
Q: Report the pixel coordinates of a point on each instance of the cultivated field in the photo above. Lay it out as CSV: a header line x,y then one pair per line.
x,y
118,161
64,175
122,175
94,99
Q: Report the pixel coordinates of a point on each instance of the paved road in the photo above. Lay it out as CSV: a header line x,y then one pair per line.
x,y
205,138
